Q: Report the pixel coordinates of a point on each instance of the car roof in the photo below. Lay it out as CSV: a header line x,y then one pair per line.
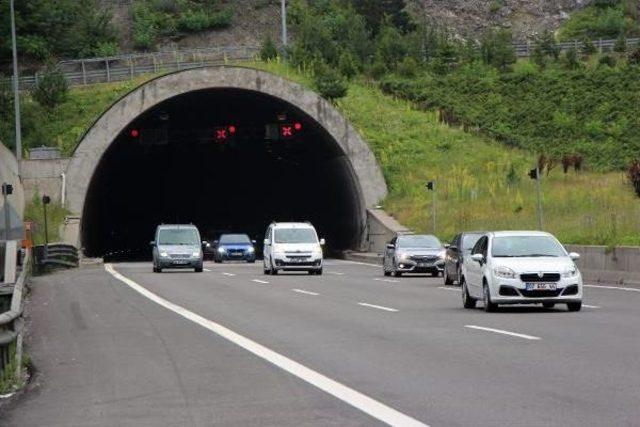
x,y
520,233
177,226
292,225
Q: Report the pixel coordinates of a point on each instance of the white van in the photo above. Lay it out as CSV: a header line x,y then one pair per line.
x,y
292,246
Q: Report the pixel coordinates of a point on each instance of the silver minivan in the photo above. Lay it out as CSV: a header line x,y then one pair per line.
x,y
177,246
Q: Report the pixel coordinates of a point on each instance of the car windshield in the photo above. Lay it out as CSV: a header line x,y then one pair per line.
x,y
178,236
295,235
526,246
421,242
234,238
469,241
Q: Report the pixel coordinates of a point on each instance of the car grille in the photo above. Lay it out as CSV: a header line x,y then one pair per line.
x,y
180,256
540,294
424,258
298,257
236,252
546,277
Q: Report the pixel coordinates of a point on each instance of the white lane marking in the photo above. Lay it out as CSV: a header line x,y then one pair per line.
x,y
335,273
302,291
500,331
387,280
591,306
620,288
206,269
260,281
354,398
224,273
344,261
379,307
449,289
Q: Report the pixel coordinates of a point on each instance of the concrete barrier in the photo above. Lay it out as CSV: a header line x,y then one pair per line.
x,y
9,174
620,265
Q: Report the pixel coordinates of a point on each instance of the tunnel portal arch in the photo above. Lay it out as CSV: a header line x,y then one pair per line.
x,y
365,173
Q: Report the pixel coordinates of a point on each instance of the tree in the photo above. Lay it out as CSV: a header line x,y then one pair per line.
x,y
621,44
268,51
377,12
588,48
328,82
497,49
347,65
51,89
571,61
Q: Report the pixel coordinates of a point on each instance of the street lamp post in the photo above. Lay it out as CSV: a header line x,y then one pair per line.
x,y
7,189
16,89
431,186
283,12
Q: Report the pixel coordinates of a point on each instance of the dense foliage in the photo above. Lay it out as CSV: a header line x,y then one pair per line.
x,y
603,19
157,19
57,28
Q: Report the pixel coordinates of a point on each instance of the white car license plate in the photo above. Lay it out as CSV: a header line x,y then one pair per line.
x,y
424,264
541,286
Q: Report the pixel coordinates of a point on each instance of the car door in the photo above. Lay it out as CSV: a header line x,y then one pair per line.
x,y
474,269
453,258
389,252
266,251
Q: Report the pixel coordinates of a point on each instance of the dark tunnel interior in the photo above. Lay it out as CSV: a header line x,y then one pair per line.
x,y
224,160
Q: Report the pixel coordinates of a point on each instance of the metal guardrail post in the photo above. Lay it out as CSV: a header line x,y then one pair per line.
x,y
84,74
106,62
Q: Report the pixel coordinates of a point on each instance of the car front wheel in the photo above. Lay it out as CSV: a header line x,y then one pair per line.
x,y
574,306
467,301
489,306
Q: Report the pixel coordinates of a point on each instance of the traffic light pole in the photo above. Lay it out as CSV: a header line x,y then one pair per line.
x,y
433,207
283,12
539,192
7,218
16,89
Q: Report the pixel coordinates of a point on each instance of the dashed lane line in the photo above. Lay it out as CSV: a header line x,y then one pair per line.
x,y
263,282
386,280
224,273
591,306
340,391
620,288
379,307
503,332
449,289
302,291
207,270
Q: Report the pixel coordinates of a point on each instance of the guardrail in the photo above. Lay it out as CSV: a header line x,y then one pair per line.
x,y
125,67
55,255
11,324
524,50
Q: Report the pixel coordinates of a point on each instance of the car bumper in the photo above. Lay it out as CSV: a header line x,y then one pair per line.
x,y
414,267
288,265
505,291
179,263
244,257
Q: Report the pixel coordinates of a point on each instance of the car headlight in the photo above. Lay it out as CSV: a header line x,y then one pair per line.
x,y
221,250
251,250
195,254
403,257
164,254
504,272
317,253
442,254
569,273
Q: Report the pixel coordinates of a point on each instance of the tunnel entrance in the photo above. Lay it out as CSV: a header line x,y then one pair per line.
x,y
226,160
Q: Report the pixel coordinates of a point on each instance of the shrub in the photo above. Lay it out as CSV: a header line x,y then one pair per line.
x,y
588,48
571,60
408,67
634,56
193,20
378,69
328,82
633,174
621,44
607,60
497,49
268,50
348,65
106,49
52,88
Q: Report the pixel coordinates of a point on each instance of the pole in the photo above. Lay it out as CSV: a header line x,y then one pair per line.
x,y
539,191
433,206
16,89
283,12
7,218
46,228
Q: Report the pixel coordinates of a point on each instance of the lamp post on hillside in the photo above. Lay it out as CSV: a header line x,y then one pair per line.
x,y
16,91
283,12
431,186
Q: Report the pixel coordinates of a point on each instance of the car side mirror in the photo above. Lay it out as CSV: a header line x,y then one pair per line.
x,y
477,257
152,243
453,247
322,242
266,242
574,256
391,246
447,246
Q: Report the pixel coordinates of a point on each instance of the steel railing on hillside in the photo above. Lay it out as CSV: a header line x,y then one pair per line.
x,y
524,50
55,255
124,67
11,322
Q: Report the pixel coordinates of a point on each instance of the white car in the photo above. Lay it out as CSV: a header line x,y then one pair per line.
x,y
292,246
521,267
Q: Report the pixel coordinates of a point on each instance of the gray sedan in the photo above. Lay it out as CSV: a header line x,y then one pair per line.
x,y
414,254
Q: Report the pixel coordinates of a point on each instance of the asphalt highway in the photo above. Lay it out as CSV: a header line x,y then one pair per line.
x,y
230,346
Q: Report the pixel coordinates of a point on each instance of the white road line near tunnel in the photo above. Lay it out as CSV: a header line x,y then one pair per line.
x,y
348,395
228,274
590,306
302,291
449,289
260,281
379,307
503,332
387,280
620,288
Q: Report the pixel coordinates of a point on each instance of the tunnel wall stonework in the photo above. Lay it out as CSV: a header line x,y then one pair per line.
x,y
370,181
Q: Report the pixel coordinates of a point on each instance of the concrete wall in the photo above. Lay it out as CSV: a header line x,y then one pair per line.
x,y
43,177
381,227
370,181
609,265
9,174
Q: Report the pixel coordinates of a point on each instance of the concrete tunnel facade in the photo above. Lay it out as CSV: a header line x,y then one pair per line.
x,y
98,188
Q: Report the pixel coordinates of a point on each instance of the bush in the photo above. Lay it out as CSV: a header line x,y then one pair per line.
x,y
348,65
607,60
268,50
106,49
634,56
378,69
588,48
329,83
571,60
52,88
193,21
497,49
408,67
621,44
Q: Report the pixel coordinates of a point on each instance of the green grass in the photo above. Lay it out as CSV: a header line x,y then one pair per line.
x,y
412,147
55,218
602,21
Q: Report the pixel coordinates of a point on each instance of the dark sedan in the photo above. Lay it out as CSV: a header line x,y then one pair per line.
x,y
461,245
234,247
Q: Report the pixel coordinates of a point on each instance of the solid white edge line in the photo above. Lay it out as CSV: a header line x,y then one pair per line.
x,y
500,331
620,288
348,395
591,306
449,289
260,281
207,270
386,280
302,291
379,307
346,261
